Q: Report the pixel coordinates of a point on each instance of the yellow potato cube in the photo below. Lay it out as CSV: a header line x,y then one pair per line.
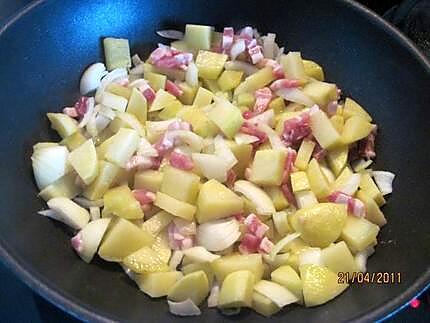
x,y
162,99
104,180
173,206
73,141
317,181
237,289
210,64
205,266
277,105
180,184
189,93
267,167
236,262
137,105
304,154
84,161
155,80
203,98
337,159
280,222
292,65
194,286
211,85
157,284
243,154
359,233
255,81
226,116
157,222
170,110
148,179
321,92
229,80
198,36
123,145
202,125
355,128
121,202
373,213
277,197
352,108
63,124
313,70
323,130
287,277
369,187
120,90
246,99
65,186
338,258
299,181
145,260
264,305
338,122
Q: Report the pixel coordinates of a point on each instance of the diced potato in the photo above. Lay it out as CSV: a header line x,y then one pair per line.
x,y
117,53
368,185
126,120
337,159
277,105
292,65
299,181
321,224
287,277
255,81
246,99
243,154
180,184
122,147
276,292
226,116
104,180
313,70
352,108
317,181
161,245
120,90
237,289
189,93
319,284
328,174
102,148
277,197
321,92
145,260
157,222
121,202
264,305
65,186
373,213
173,206
212,85
148,179
259,198
323,130
181,45
194,286
210,64
193,267
137,105
304,154
248,206
162,99
229,80
157,284
170,110
124,177
267,167
84,161
338,258
232,263
73,141
355,128
201,124
216,201
341,179
155,80
122,239
338,122
63,124
359,233
115,102
198,36
203,98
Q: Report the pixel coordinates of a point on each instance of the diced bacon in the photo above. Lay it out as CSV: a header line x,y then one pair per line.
x,y
255,226
227,38
295,129
332,108
181,161
247,33
252,130
355,206
256,54
170,58
167,141
160,52
288,193
278,71
265,245
262,99
77,242
156,162
289,163
249,243
81,105
285,84
140,162
339,93
173,89
366,146
71,112
187,243
143,196
147,91
239,217
231,178
248,114
181,236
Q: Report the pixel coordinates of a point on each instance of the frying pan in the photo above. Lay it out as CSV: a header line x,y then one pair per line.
x,y
43,51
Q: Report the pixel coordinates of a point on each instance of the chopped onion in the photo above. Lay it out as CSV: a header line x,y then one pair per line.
x,y
361,164
267,117
91,78
295,95
213,295
136,60
184,308
171,34
263,203
69,212
159,126
269,45
176,259
275,292
133,122
105,111
195,142
49,164
238,48
351,185
279,54
243,138
113,101
212,167
311,256
86,203
192,75
384,180
247,68
117,74
200,254
145,148
218,235
88,114
282,243
94,213
224,152
50,214
275,140
361,258
305,199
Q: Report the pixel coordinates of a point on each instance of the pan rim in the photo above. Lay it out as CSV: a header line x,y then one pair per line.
x,y
81,311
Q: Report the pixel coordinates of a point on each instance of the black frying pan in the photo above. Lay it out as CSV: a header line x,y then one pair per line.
x,y
43,51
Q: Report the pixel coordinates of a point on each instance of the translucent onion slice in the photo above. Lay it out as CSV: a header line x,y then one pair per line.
x,y
214,295
200,254
384,181
171,34
247,68
91,78
275,292
275,140
243,138
184,308
267,117
295,95
212,167
282,243
224,152
218,235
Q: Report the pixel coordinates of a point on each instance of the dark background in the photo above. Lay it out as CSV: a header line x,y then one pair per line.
x,y
19,304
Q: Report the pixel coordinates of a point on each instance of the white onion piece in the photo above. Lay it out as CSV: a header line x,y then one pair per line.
x,y
311,256
351,184
50,214
212,167
237,48
267,117
94,213
247,68
360,164
49,164
145,148
275,292
305,199
136,60
224,152
86,203
117,74
69,212
282,243
88,114
279,54
171,34
192,75
214,295
218,235
275,140
295,95
200,254
243,138
384,180
361,258
176,259
184,308
91,78
269,45
101,122
263,203
195,142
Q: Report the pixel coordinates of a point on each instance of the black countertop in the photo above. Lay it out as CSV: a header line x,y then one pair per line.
x,y
19,304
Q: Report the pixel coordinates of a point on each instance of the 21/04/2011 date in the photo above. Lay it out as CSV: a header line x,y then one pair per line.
x,y
369,278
